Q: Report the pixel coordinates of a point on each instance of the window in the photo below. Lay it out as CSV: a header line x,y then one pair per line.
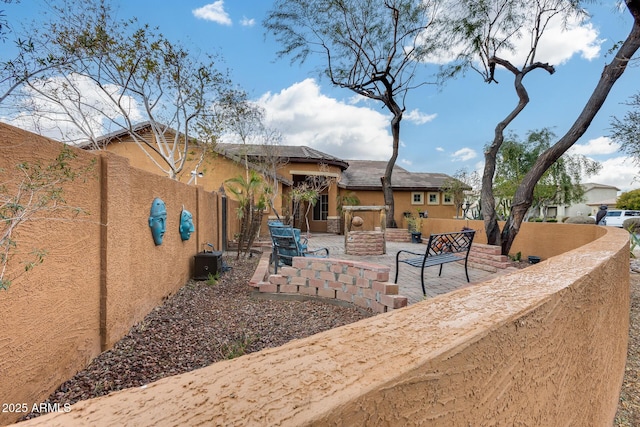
x,y
417,198
433,199
321,209
447,199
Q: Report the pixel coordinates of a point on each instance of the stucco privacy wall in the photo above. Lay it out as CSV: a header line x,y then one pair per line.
x,y
539,239
102,272
139,273
543,346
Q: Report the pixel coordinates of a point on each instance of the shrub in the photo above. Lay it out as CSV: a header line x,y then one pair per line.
x,y
580,220
632,225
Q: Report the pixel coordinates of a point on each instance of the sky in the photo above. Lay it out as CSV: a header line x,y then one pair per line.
x,y
444,129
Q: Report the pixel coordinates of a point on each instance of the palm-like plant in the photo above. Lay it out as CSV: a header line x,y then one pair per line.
x,y
248,192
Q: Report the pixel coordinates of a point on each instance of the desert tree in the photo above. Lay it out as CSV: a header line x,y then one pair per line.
x,y
306,194
370,47
460,188
491,29
243,120
132,75
523,197
269,163
4,22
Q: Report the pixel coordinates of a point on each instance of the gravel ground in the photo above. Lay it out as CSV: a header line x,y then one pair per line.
x,y
199,325
205,323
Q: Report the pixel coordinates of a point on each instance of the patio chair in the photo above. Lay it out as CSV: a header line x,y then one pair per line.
x,y
287,243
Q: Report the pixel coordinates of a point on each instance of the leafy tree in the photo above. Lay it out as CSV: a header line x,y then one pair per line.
x,y
467,186
128,74
308,193
33,192
559,185
629,200
626,131
369,47
457,188
489,32
4,23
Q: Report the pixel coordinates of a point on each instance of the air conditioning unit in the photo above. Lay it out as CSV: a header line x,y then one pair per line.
x,y
206,263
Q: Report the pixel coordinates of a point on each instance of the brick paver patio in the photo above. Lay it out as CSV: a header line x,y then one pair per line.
x,y
453,276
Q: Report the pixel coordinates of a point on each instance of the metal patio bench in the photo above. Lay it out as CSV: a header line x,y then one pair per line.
x,y
441,249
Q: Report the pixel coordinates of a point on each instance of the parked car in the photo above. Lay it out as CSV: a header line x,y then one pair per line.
x,y
615,217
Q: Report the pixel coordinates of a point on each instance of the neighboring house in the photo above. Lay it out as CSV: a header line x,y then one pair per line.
x,y
294,165
595,195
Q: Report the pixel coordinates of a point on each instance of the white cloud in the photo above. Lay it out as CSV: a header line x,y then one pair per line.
x,y
597,146
69,120
213,12
464,154
440,149
307,117
559,43
620,171
247,22
406,162
415,116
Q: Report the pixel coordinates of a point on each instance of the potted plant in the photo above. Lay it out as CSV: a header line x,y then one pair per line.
x,y
414,224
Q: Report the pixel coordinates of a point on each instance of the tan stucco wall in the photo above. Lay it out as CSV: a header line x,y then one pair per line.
x,y
216,169
402,203
49,316
544,346
103,272
539,239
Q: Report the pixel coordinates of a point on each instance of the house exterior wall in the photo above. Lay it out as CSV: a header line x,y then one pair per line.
x,y
402,203
593,195
216,169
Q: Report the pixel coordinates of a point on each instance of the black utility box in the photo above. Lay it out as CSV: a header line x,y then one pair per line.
x,y
207,263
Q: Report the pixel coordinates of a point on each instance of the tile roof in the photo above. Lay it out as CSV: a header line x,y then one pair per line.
x,y
366,174
356,175
294,153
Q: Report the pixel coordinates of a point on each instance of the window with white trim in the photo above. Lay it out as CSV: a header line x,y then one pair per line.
x,y
433,198
417,198
321,209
